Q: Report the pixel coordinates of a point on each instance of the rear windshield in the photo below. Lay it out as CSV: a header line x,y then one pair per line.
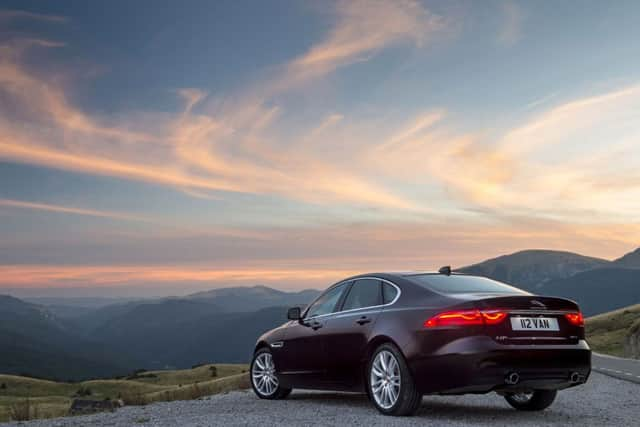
x,y
455,284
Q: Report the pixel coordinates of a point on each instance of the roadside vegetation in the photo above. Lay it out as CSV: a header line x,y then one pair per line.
x,y
24,398
609,332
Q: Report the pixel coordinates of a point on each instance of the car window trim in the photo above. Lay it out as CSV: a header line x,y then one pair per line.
x,y
348,291
338,303
360,308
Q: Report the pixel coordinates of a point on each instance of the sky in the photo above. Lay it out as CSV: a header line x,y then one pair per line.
x,y
156,147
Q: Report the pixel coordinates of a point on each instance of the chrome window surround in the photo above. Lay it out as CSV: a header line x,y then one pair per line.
x,y
355,309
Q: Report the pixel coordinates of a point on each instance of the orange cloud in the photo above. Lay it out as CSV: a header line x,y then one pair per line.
x,y
25,276
422,167
224,152
363,27
317,256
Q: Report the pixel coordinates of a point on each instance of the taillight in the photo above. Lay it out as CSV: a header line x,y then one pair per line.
x,y
466,318
493,317
575,318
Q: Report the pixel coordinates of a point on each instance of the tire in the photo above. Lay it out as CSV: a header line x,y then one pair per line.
x,y
408,399
263,378
537,401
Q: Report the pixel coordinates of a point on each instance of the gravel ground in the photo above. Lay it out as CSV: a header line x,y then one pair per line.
x,y
603,401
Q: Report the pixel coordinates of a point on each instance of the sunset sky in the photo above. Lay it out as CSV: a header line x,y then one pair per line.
x,y
165,147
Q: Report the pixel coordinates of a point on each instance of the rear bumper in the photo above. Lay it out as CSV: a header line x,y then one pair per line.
x,y
480,365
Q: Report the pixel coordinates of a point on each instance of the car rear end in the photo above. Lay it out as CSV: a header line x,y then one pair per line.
x,y
487,336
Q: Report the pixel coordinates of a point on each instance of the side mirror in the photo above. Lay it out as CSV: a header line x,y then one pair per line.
x,y
294,313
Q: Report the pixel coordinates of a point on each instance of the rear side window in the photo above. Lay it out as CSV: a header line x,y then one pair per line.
x,y
455,284
389,293
326,303
363,293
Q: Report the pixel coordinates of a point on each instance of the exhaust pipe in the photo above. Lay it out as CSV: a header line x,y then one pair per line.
x,y
512,378
574,378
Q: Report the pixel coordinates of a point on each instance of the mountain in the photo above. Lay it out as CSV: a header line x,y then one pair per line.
x,y
182,340
218,325
221,325
152,331
243,299
531,269
630,260
599,290
34,342
71,307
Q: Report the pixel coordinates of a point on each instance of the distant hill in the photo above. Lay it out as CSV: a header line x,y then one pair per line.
x,y
599,290
630,260
616,332
179,333
217,325
531,269
253,298
36,343
221,325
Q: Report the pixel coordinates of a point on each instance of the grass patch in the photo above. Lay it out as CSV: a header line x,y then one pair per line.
x,y
197,390
606,333
48,399
191,376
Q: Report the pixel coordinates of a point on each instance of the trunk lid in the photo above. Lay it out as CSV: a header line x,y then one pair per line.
x,y
530,319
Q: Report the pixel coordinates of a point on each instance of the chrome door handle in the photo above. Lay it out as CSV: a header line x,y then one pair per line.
x,y
363,320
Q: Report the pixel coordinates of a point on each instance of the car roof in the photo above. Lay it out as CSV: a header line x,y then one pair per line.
x,y
403,274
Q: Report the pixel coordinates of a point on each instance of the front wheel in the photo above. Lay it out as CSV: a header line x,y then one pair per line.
x,y
264,380
536,400
390,384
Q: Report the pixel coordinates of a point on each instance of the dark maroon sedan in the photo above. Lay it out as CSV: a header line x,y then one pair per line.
x,y
399,336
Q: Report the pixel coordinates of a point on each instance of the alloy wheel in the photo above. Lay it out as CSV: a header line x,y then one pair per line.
x,y
263,374
385,379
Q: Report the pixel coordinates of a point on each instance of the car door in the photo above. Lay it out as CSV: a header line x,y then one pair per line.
x,y
304,359
348,332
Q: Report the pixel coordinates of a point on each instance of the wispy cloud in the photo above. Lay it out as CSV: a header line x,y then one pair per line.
x,y
222,151
362,28
404,168
10,15
19,204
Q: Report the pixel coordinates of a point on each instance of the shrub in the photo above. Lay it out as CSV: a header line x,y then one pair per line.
x,y
84,391
3,386
214,371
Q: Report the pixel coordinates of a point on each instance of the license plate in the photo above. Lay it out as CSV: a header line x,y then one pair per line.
x,y
534,324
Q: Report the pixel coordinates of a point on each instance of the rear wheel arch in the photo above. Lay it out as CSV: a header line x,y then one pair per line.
x,y
376,342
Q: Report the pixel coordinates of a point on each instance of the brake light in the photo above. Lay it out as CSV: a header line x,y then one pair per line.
x,y
493,317
575,318
466,318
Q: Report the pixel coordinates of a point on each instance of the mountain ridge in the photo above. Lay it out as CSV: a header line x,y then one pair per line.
x,y
178,332
531,268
